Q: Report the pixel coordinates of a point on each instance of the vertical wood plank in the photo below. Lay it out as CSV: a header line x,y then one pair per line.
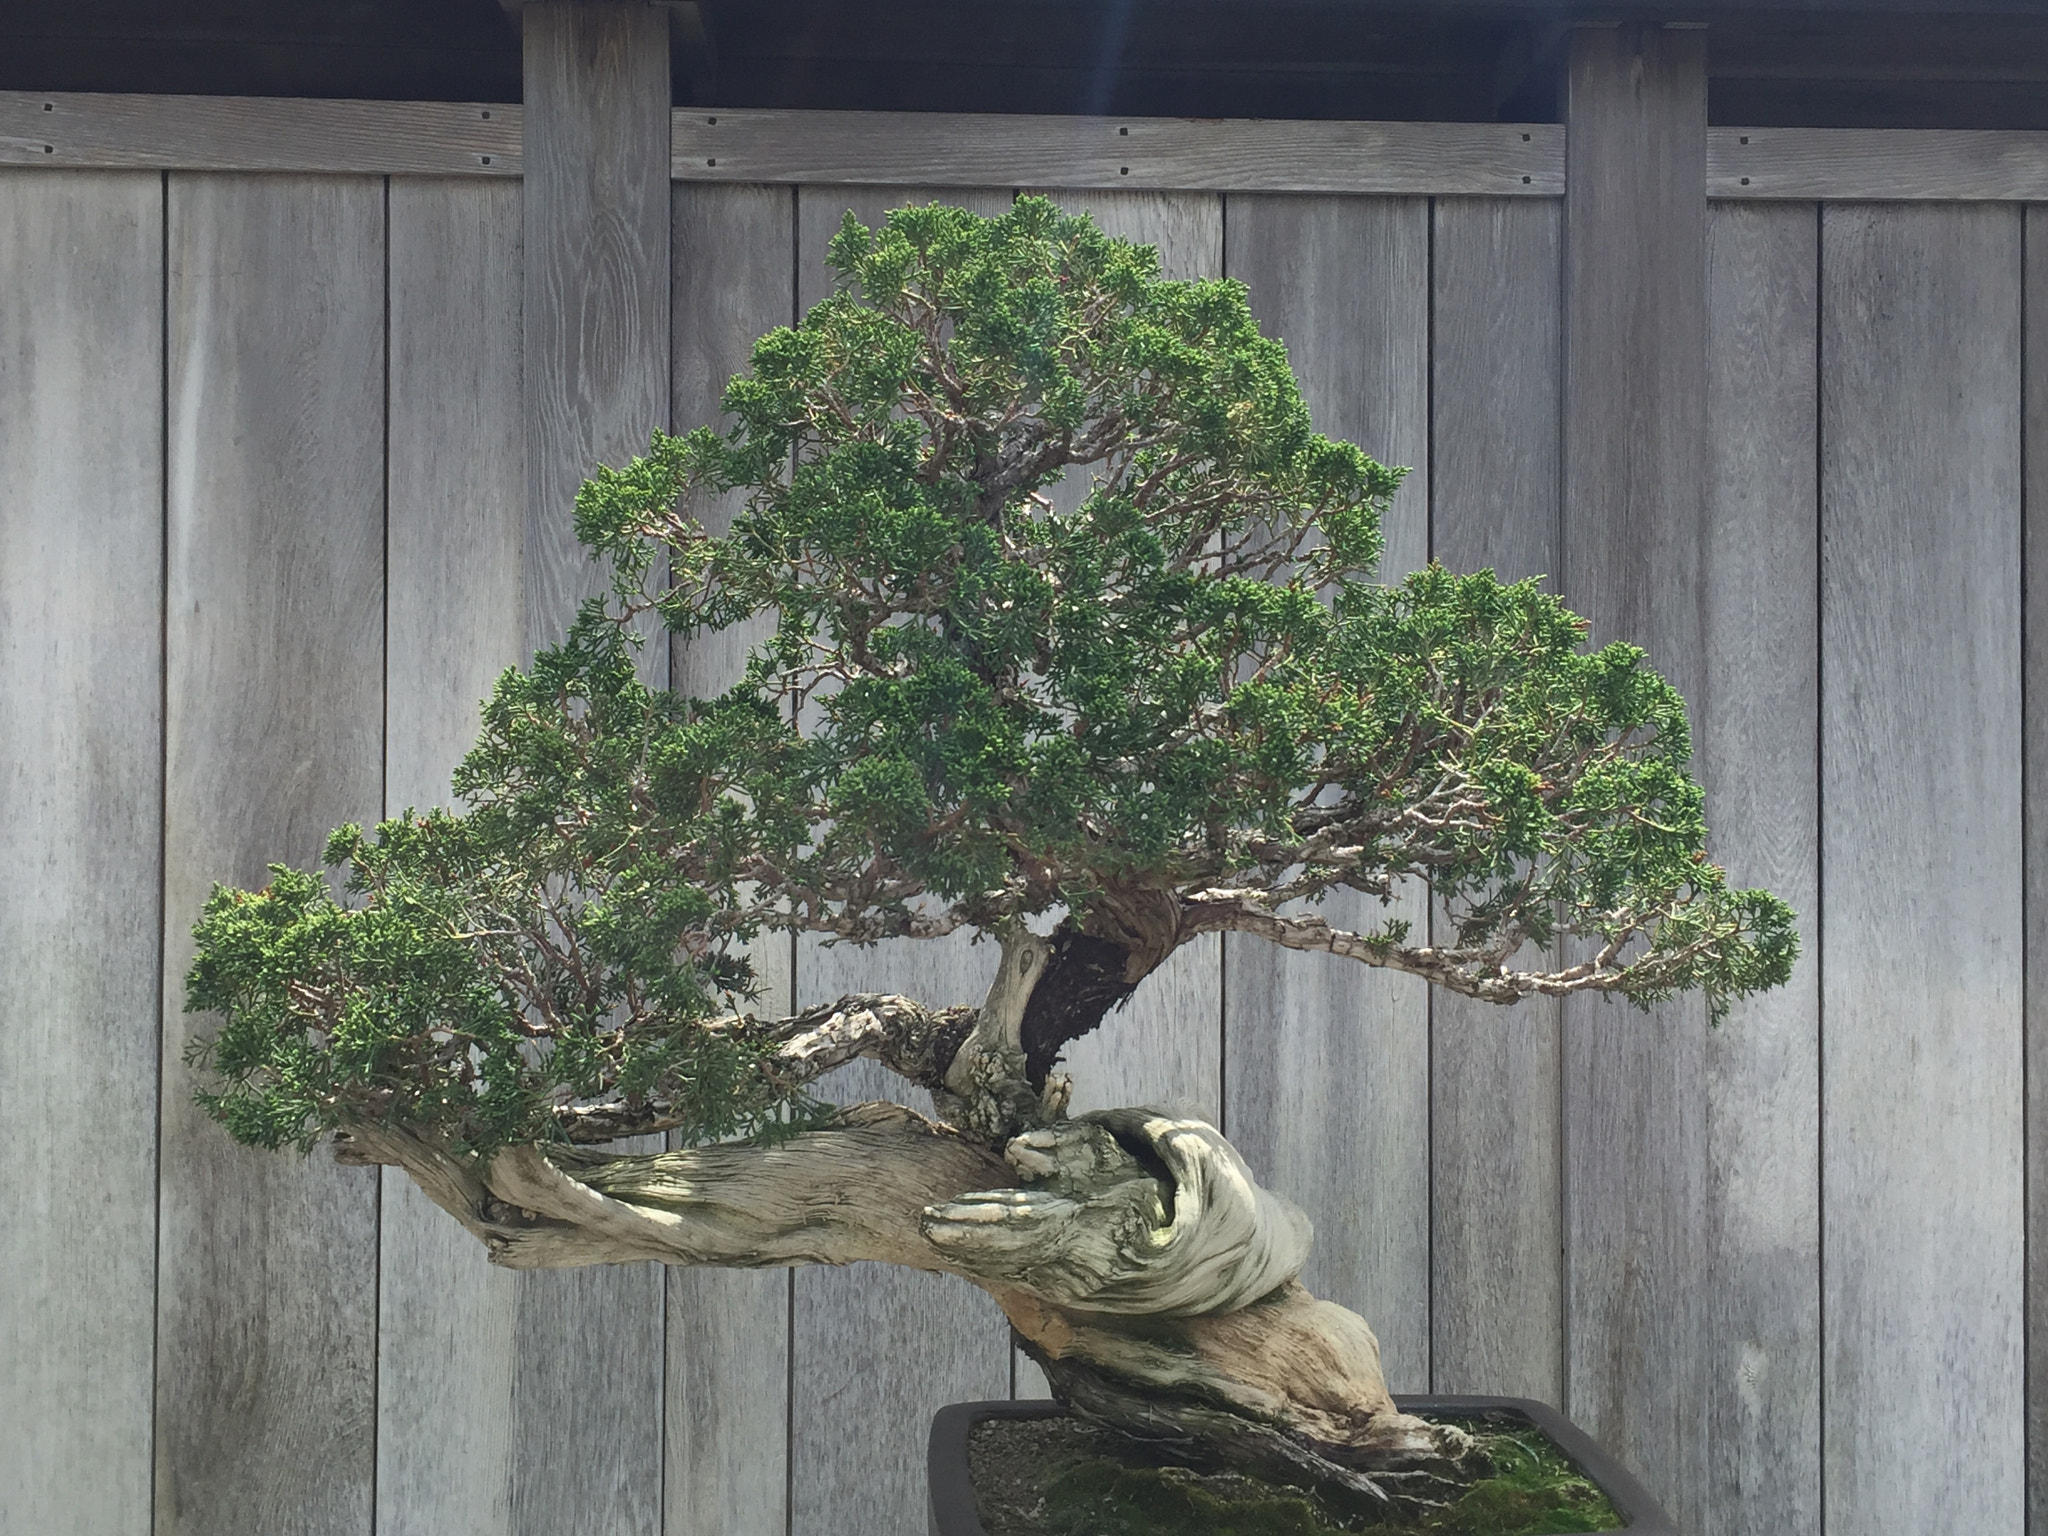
x,y
1327,1062
1757,726
726,1466
2034,599
589,1386
877,1350
1634,521
1496,1270
447,1318
1165,1046
596,131
1921,935
81,755
266,1304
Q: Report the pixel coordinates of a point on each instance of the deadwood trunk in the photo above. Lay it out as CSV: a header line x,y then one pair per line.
x,y
1139,1261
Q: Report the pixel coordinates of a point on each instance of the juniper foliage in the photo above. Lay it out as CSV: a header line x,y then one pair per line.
x,y
1185,704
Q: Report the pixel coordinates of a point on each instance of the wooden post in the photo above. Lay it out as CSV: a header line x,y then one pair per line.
x,y
1634,516
597,271
587,1436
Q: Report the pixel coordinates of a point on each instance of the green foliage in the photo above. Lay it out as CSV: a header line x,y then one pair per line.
x,y
493,969
1174,688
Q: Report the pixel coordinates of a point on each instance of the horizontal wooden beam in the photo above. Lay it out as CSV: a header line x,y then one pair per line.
x,y
258,133
1877,164
930,149
942,149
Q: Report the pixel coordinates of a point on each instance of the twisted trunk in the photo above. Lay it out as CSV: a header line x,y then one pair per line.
x,y
1138,1260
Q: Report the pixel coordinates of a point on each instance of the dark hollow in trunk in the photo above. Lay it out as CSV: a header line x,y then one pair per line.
x,y
1083,980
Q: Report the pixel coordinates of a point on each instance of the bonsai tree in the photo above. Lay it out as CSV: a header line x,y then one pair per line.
x,y
1088,733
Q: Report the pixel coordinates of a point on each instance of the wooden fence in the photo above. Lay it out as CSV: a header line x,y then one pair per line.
x,y
265,448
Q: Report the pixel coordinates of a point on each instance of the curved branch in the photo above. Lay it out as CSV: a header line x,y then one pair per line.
x,y
822,1197
1150,1266
915,1042
1100,1233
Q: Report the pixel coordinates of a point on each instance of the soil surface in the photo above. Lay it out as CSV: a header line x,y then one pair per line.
x,y
1065,1477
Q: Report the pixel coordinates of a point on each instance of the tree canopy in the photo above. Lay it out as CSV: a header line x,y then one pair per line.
x,y
1074,619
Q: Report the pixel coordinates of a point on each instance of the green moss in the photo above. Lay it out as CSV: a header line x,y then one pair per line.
x,y
1080,1491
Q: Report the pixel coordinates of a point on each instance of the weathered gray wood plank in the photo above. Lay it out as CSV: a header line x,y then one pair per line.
x,y
1496,1277
257,133
1166,1045
597,273
1888,164
81,759
726,1467
456,477
1922,1076
1757,723
1327,1062
1634,524
876,1350
947,149
266,1315
589,1386
2034,579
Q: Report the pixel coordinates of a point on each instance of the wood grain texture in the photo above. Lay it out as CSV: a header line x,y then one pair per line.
x,y
596,274
589,1384
1921,935
1756,723
1165,1046
1154,154
266,1315
726,1462
1635,1098
2034,591
1496,1272
1326,1061
75,130
875,1351
1888,164
81,758
447,1318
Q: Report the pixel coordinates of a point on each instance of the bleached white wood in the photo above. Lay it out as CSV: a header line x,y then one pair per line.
x,y
81,756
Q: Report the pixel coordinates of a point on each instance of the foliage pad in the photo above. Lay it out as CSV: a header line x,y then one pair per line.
x,y
1063,607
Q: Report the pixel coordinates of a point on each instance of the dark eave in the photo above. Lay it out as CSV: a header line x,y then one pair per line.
x,y
1822,63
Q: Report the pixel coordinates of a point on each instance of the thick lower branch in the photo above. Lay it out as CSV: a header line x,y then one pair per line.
x,y
1133,1251
917,1043
822,1197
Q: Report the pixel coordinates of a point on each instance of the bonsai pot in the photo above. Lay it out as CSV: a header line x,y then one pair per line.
x,y
953,1510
